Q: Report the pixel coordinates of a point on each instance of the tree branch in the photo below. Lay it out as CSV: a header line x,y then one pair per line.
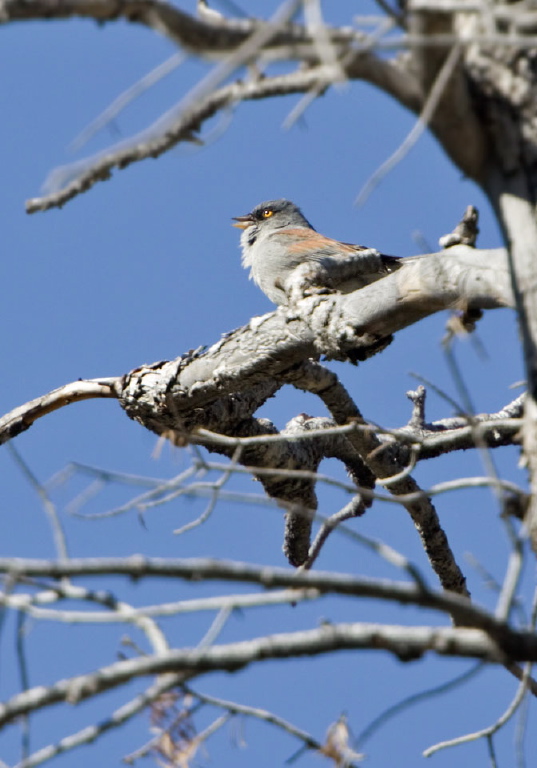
x,y
212,38
234,43
184,123
220,389
200,569
169,395
22,418
386,461
407,643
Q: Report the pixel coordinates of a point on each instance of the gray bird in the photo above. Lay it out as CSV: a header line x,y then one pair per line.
x,y
277,238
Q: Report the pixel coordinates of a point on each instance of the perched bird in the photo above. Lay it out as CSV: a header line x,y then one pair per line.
x,y
277,238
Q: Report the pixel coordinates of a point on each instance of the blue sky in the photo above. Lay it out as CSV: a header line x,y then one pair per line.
x,y
145,267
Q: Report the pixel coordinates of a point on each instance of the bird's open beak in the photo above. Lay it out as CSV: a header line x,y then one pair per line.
x,y
243,221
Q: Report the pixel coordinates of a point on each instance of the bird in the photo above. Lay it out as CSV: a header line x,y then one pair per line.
x,y
277,238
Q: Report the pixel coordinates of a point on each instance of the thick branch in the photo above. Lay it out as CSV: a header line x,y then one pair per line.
x,y
176,395
456,121
331,325
514,197
458,433
386,460
221,389
296,494
200,36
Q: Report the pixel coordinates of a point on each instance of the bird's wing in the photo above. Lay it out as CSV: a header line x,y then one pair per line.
x,y
308,245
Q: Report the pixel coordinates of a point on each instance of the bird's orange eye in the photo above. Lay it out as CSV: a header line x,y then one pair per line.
x,y
267,213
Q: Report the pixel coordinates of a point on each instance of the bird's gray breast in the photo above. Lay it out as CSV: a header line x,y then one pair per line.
x,y
271,264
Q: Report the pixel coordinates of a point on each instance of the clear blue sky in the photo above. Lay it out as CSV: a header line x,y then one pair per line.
x,y
145,267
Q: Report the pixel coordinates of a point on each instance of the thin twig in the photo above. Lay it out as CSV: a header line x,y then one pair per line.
x,y
367,493
22,664
354,508
218,624
259,714
125,98
30,605
514,571
426,114
216,489
491,729
68,181
335,76
415,698
526,683
58,533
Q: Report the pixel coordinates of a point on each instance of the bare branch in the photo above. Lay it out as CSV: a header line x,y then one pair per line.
x,y
488,732
121,613
22,418
170,130
57,529
421,287
202,36
407,643
406,703
189,386
125,98
354,508
259,714
445,435
235,43
200,569
386,461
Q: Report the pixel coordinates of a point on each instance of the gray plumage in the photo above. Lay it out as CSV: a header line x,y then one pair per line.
x,y
277,238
